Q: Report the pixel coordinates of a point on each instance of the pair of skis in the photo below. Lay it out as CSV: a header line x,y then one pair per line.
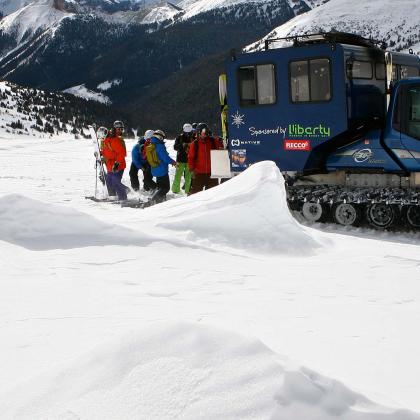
x,y
134,203
99,164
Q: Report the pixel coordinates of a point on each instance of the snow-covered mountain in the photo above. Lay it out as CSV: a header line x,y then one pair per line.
x,y
36,113
108,6
32,19
396,23
27,17
10,6
60,44
187,9
163,12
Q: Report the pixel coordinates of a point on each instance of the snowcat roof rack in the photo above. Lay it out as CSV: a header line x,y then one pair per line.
x,y
328,38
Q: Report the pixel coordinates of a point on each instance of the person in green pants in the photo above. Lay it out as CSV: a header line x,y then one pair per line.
x,y
181,145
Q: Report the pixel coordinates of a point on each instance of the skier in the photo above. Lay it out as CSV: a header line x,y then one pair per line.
x,y
181,145
199,161
138,162
158,158
114,153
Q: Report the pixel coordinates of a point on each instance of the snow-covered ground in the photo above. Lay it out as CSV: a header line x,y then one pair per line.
x,y
205,307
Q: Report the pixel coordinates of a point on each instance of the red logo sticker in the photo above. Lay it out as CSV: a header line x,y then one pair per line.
x,y
304,145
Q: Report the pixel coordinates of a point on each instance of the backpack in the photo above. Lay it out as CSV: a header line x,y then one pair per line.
x,y
151,155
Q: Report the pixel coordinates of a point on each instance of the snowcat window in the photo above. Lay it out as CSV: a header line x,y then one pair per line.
x,y
247,89
413,123
257,85
360,70
396,120
380,71
320,80
266,85
394,73
299,81
408,71
310,80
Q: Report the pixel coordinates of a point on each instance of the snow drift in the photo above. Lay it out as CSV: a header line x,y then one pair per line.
x,y
36,225
249,212
188,371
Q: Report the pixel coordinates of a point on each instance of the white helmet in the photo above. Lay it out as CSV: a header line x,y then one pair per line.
x,y
148,134
102,132
159,134
187,128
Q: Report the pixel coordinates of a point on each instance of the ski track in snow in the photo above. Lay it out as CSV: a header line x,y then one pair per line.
x,y
344,304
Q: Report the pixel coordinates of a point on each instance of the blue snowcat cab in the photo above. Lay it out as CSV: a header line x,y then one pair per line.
x,y
340,116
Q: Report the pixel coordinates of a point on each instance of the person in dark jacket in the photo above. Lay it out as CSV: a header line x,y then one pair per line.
x,y
181,145
160,171
139,162
199,161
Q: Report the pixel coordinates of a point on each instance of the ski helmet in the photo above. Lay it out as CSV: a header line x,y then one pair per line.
x,y
148,134
201,127
119,124
187,128
102,132
159,134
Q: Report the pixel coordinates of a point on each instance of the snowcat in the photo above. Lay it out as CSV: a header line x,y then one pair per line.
x,y
339,115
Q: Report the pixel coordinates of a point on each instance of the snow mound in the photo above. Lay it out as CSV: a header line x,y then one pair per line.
x,y
248,212
39,226
187,371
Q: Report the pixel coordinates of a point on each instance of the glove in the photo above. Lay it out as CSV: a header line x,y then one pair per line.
x,y
115,167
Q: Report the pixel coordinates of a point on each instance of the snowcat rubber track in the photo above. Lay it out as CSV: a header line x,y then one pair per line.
x,y
381,208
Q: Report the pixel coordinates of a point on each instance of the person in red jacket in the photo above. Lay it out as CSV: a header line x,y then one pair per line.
x,y
199,161
114,153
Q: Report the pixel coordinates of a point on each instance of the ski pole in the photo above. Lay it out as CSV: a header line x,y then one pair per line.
x,y
96,177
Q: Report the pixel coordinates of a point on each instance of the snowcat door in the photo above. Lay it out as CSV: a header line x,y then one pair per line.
x,y
388,64
223,107
410,120
403,125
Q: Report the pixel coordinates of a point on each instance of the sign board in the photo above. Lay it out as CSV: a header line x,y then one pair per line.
x,y
220,164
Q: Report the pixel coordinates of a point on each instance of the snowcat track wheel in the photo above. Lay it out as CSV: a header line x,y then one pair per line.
x,y
381,215
315,212
413,216
347,214
294,205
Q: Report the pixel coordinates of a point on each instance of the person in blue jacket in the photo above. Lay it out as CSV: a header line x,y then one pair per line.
x,y
139,162
161,170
